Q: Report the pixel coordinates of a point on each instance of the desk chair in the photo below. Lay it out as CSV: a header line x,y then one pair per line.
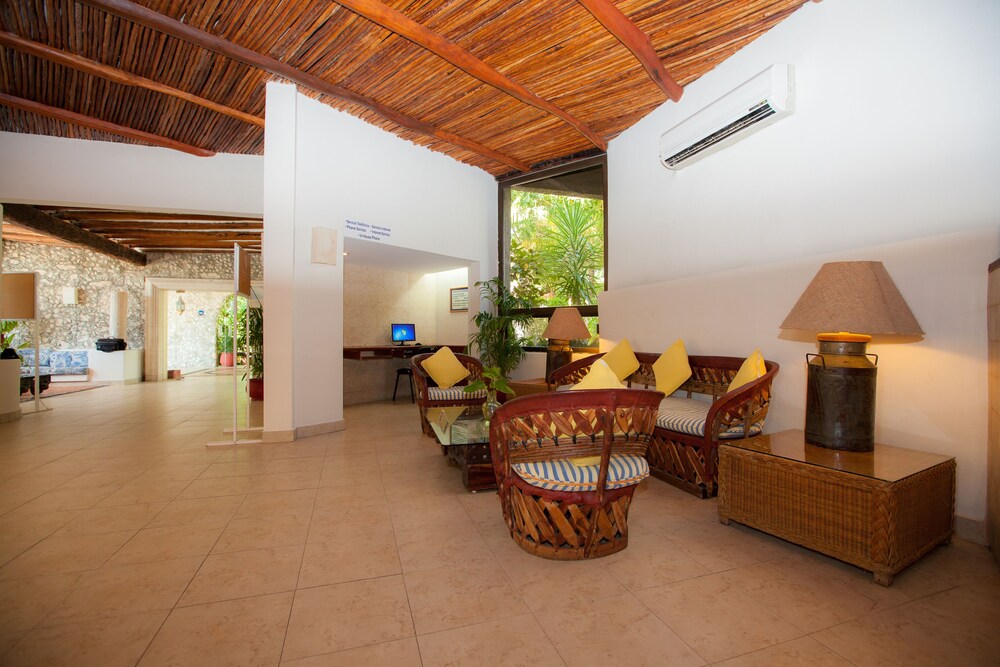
x,y
409,376
407,371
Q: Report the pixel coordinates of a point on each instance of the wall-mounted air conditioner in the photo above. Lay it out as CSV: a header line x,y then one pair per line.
x,y
751,107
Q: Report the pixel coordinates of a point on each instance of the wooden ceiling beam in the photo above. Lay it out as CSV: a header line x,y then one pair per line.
x,y
76,214
40,221
143,235
103,226
184,240
402,25
152,241
100,125
118,76
204,250
153,247
143,16
638,42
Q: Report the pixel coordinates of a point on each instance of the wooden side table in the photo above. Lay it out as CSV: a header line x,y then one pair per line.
x,y
527,387
465,439
879,510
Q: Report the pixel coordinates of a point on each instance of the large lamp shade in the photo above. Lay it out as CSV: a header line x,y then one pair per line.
x,y
845,303
565,325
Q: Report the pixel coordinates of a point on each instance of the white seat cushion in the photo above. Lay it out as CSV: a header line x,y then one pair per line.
x,y
688,415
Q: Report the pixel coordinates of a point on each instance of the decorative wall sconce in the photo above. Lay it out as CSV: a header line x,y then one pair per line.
x,y
180,305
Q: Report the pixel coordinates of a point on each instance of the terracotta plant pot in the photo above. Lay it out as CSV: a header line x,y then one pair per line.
x,y
226,359
255,387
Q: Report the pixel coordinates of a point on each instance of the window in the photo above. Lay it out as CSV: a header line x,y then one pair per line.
x,y
553,241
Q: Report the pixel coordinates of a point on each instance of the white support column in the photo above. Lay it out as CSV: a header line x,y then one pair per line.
x,y
279,268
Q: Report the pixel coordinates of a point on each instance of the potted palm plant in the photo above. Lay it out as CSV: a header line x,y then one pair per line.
x,y
498,339
224,325
255,354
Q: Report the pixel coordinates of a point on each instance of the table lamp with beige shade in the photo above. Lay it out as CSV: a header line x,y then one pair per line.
x,y
565,325
847,302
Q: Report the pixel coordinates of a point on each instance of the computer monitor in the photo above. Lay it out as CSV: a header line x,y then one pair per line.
x,y
403,333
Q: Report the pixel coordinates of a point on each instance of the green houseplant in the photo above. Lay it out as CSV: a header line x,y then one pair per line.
x,y
224,331
497,338
10,331
255,354
492,382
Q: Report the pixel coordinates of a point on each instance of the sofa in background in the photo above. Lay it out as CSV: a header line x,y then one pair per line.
x,y
683,449
53,366
70,364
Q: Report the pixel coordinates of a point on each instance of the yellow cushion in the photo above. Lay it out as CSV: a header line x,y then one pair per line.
x,y
600,377
584,461
672,368
445,368
751,369
622,359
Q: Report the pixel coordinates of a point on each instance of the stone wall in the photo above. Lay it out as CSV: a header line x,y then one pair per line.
x,y
191,334
96,277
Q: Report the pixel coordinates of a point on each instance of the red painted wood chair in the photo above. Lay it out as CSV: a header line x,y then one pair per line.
x,y
556,503
429,395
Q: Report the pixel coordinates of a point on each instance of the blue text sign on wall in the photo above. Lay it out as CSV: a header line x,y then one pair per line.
x,y
363,230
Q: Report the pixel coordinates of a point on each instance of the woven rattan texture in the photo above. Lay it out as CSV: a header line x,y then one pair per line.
x,y
877,525
555,48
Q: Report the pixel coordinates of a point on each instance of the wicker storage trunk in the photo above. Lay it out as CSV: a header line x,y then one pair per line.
x,y
878,510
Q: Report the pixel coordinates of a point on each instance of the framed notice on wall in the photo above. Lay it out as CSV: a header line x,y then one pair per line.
x,y
459,299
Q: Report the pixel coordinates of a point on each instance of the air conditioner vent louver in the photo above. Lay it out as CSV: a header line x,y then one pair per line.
x,y
752,106
757,114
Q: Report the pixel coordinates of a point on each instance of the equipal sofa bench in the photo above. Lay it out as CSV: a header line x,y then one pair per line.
x,y
691,422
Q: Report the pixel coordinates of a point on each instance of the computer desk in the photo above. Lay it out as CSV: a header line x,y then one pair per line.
x,y
380,352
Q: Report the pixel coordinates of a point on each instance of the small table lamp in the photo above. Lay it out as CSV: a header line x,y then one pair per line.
x,y
847,297
564,325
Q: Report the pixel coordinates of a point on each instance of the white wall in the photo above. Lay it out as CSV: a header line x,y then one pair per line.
x,y
452,328
324,167
894,137
892,154
37,169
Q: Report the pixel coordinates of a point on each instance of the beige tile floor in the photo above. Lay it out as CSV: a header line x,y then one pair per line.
x,y
124,541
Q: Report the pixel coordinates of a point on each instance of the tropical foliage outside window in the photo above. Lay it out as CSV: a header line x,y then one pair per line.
x,y
556,253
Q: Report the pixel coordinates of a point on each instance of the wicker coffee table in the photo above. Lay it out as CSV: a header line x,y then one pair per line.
x,y
878,510
465,439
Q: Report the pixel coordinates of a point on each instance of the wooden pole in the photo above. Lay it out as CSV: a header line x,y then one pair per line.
x,y
399,23
100,125
40,221
638,42
143,16
118,76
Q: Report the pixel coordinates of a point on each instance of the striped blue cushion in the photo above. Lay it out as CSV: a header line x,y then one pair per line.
x,y
562,475
688,415
452,394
